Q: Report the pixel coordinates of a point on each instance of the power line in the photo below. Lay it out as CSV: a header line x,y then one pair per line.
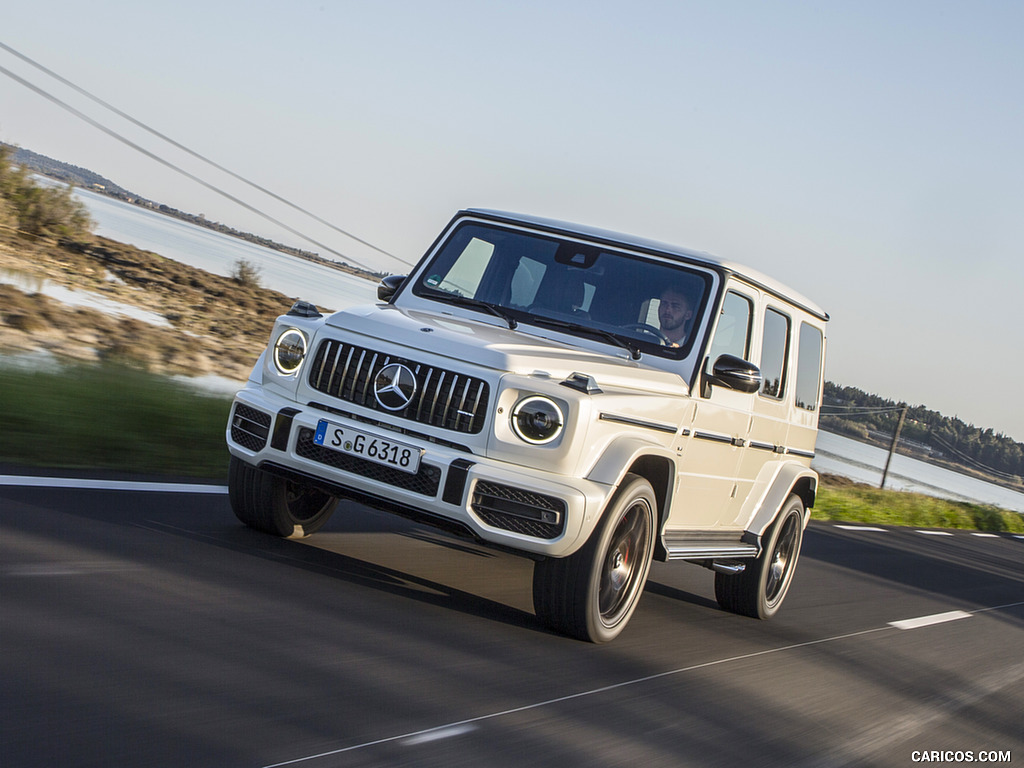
x,y
854,410
968,459
180,146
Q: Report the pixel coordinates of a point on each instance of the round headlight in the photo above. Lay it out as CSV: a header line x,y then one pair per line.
x,y
537,420
289,351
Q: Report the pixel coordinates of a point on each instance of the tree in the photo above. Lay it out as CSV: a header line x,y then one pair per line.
x,y
36,209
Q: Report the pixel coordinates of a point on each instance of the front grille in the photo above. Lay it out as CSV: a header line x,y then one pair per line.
x,y
249,427
518,510
425,482
443,398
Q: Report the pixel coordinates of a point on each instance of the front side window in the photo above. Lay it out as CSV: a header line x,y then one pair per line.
x,y
584,289
732,335
774,354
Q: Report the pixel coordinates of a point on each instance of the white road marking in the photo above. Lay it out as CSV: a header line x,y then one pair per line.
x,y
109,485
936,533
861,528
438,734
927,621
985,535
65,569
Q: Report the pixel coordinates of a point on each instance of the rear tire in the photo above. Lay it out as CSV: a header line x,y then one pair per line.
x,y
760,589
274,505
591,594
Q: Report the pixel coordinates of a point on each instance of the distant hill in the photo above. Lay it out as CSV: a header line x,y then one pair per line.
x,y
69,174
83,177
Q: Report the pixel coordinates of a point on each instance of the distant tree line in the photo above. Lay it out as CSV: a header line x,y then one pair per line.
x,y
853,412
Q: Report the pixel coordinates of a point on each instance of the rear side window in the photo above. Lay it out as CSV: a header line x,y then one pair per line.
x,y
774,354
808,367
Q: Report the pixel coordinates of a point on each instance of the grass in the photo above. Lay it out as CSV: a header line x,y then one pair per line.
x,y
111,417
841,500
120,418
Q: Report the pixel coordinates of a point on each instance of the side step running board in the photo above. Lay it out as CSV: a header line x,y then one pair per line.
x,y
703,547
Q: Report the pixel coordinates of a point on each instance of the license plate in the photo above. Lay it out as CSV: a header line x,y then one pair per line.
x,y
370,447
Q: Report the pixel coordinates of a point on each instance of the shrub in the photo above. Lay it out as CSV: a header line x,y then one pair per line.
x,y
38,210
246,274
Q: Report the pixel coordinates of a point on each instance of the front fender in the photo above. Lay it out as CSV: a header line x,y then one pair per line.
x,y
646,458
621,454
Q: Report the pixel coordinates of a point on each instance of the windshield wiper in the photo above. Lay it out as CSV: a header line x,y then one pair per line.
x,y
465,301
550,322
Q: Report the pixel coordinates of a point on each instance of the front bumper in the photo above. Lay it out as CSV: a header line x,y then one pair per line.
x,y
507,505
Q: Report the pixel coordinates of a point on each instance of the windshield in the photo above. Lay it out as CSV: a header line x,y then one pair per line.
x,y
589,290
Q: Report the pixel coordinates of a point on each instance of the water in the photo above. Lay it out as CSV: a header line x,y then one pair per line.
x,y
332,289
865,463
216,252
79,298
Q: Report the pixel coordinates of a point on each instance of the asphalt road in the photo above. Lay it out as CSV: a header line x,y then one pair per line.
x,y
147,628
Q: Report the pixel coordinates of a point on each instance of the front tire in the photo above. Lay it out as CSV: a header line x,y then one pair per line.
x,y
591,594
274,505
760,589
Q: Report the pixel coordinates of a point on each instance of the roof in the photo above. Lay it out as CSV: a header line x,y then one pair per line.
x,y
653,246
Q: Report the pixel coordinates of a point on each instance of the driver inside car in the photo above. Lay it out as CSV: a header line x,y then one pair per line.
x,y
674,315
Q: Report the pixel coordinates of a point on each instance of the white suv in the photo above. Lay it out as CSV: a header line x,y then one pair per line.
x,y
583,398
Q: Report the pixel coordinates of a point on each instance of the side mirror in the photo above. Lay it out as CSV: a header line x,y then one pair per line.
x,y
735,373
389,286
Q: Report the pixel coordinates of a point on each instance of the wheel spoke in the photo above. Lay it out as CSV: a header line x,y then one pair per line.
x,y
781,557
620,572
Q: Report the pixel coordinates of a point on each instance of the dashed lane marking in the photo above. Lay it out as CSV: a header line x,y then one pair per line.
x,y
876,529
927,621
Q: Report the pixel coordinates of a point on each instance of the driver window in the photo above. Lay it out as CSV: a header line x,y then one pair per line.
x,y
732,336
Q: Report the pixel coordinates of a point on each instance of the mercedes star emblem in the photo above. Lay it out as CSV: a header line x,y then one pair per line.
x,y
394,387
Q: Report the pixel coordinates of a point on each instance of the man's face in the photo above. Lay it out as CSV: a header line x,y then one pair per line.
x,y
673,312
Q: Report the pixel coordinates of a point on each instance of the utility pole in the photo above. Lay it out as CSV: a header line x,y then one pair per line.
x,y
892,448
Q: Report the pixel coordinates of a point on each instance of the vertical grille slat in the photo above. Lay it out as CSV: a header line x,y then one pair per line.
x,y
371,373
334,365
344,373
444,398
476,409
437,392
448,403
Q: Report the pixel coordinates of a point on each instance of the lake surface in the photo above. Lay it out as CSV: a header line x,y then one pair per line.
x,y
332,289
865,463
216,252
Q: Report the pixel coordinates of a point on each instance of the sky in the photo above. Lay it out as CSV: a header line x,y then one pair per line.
x,y
870,155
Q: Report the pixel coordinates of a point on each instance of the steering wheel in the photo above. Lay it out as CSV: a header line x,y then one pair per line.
x,y
647,328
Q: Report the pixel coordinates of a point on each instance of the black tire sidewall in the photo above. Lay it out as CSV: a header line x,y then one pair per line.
x,y
793,508
634,489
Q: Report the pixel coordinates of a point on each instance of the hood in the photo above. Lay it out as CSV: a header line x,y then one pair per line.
x,y
524,351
